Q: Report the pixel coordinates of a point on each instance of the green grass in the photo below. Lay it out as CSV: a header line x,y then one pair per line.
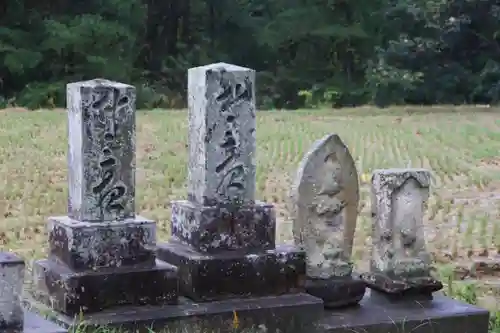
x,y
460,145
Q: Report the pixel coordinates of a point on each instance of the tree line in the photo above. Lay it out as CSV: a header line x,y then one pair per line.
x,y
307,53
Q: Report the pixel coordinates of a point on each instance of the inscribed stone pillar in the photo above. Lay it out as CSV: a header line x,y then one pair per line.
x,y
400,264
325,199
221,135
101,152
222,236
102,253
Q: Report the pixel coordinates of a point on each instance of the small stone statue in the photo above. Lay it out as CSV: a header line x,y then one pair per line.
x,y
325,208
400,264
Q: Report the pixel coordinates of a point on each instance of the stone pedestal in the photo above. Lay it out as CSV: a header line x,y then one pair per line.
x,y
337,292
221,228
96,245
209,277
379,315
216,248
94,266
13,318
72,293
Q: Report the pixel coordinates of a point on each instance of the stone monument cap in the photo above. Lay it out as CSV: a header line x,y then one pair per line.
x,y
218,65
397,176
99,82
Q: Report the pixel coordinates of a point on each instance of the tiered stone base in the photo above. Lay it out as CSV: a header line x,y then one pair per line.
x,y
233,276
97,266
96,245
228,251
73,292
220,228
208,277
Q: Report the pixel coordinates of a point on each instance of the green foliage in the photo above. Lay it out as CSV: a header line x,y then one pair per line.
x,y
342,53
468,293
447,52
42,95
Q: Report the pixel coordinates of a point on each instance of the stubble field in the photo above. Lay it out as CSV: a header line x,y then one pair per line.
x,y
461,146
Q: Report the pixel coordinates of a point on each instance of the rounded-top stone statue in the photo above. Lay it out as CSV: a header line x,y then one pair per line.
x,y
325,208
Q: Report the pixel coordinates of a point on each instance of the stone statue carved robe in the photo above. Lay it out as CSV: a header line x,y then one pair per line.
x,y
400,264
398,199
325,200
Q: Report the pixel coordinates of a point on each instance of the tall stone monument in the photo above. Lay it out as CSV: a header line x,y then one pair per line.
x,y
13,318
223,240
101,255
400,263
325,199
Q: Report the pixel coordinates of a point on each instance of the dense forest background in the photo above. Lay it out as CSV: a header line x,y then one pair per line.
x,y
307,53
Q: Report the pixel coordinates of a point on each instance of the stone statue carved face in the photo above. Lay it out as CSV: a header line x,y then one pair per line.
x,y
331,187
398,241
325,200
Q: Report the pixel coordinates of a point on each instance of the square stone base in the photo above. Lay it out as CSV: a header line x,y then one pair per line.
x,y
337,292
221,228
73,292
440,315
33,323
296,313
95,245
204,277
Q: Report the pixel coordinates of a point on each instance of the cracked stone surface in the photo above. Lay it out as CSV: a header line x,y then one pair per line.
x,y
92,246
325,199
221,139
213,229
101,152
